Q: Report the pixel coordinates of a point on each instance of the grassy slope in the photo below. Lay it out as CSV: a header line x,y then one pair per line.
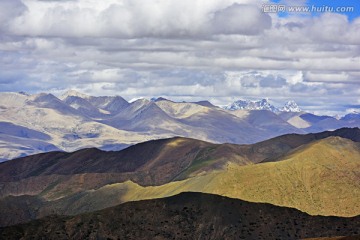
x,y
322,178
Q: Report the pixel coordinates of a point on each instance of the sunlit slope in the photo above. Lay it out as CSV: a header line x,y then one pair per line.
x,y
322,178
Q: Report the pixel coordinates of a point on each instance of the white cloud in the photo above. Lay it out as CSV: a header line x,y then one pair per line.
x,y
10,9
331,27
187,49
136,18
333,77
240,19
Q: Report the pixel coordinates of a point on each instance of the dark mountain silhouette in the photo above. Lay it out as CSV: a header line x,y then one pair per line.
x,y
187,216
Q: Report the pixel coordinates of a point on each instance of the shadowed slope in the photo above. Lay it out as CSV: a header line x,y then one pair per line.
x,y
355,237
170,157
188,215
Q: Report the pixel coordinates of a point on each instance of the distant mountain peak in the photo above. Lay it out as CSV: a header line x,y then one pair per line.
x,y
74,93
41,97
291,106
155,99
204,103
351,116
142,100
24,93
262,104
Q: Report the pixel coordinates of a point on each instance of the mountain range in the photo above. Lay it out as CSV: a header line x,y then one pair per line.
x,y
315,173
37,123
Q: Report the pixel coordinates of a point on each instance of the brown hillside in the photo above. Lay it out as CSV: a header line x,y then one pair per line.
x,y
169,156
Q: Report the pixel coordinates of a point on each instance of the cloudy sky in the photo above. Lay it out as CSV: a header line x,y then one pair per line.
x,y
220,50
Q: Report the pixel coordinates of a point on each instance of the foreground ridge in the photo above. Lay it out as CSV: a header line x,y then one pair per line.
x,y
184,216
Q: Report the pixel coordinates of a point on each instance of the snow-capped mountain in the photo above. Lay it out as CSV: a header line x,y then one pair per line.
x,y
263,104
290,106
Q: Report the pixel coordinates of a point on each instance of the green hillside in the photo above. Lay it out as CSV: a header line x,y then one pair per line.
x,y
320,178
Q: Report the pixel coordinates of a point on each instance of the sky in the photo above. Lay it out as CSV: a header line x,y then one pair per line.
x,y
189,50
